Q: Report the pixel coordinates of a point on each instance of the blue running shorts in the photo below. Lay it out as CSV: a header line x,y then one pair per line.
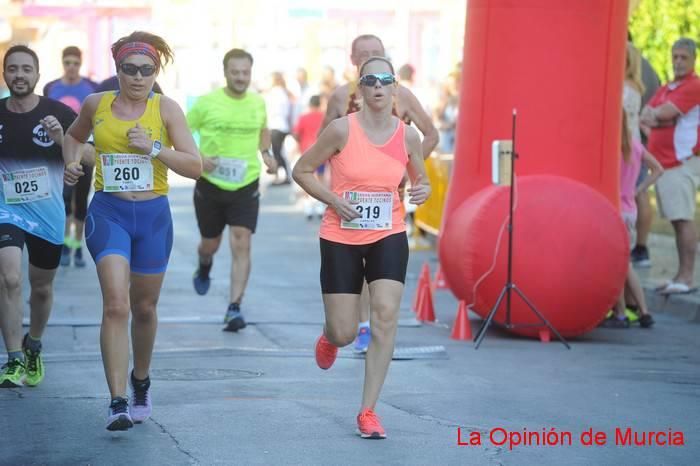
x,y
140,231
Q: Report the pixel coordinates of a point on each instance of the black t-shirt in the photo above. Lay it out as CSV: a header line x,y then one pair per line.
x,y
22,138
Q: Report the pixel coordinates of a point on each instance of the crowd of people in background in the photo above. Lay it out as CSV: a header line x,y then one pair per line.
x,y
660,146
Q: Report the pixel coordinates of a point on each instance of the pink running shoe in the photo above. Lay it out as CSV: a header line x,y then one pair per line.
x,y
140,408
118,415
325,352
368,425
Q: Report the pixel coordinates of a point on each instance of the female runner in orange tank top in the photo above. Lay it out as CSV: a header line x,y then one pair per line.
x,y
363,235
346,99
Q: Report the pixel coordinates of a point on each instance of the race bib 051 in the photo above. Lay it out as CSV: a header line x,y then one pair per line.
x,y
231,170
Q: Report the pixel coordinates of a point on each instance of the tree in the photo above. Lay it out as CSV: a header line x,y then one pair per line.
x,y
656,24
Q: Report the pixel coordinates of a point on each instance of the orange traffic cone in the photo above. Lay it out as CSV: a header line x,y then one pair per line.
x,y
424,273
426,310
423,279
439,282
462,329
545,336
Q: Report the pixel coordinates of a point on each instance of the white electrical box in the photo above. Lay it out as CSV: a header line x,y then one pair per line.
x,y
501,153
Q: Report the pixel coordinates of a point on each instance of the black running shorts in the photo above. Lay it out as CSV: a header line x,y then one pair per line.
x,y
344,267
216,207
42,254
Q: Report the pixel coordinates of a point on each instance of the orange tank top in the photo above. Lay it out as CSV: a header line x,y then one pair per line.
x,y
368,175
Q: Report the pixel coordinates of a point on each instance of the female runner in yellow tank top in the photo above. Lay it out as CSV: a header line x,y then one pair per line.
x,y
138,135
363,234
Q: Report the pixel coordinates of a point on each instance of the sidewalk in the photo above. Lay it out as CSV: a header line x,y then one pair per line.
x,y
257,397
662,249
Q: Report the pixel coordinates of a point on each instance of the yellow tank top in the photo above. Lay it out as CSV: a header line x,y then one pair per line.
x,y
110,138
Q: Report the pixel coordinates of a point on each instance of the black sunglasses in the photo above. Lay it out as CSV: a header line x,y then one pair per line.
x,y
130,69
370,80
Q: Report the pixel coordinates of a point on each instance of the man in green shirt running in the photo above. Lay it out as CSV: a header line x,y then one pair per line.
x,y
232,125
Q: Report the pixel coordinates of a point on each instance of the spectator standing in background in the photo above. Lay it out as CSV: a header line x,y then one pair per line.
x,y
279,102
305,132
446,112
672,120
72,89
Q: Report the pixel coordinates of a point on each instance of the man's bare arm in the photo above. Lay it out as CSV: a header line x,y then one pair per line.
x,y
422,120
334,109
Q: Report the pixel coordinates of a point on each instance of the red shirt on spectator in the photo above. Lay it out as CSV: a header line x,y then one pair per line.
x,y
307,127
671,145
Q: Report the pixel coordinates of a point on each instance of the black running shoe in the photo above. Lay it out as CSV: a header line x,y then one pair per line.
x,y
614,322
234,319
640,256
646,320
65,256
201,283
78,258
118,417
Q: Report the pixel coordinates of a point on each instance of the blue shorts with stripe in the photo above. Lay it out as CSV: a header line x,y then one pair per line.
x,y
140,231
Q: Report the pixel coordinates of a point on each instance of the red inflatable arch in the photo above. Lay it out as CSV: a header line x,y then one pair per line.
x,y
560,63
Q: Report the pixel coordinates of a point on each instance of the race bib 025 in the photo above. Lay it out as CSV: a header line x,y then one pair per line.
x,y
29,185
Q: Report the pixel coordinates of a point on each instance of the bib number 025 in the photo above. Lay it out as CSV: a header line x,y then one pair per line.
x,y
26,185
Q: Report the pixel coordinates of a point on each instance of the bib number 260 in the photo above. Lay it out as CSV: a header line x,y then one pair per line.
x,y
126,173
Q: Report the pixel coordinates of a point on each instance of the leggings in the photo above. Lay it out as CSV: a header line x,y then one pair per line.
x,y
78,194
277,141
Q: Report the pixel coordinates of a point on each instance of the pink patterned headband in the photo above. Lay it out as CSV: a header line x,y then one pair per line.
x,y
140,48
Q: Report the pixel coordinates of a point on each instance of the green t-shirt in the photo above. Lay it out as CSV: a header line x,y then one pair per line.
x,y
229,129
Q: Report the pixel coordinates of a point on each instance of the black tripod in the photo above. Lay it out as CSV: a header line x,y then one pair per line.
x,y
509,287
